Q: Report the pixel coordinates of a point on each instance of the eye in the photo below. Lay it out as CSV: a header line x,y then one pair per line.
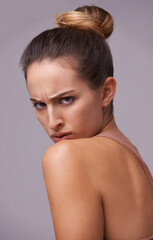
x,y
39,105
66,100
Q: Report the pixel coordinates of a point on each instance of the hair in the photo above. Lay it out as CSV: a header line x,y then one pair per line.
x,y
79,39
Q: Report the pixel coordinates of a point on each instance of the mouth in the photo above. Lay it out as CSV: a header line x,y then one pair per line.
x,y
61,136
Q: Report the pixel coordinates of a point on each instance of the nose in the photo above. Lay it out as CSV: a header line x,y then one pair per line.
x,y
55,120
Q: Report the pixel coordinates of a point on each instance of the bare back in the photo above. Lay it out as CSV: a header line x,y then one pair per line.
x,y
125,186
99,189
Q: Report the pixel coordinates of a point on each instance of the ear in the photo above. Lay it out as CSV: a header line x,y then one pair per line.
x,y
108,91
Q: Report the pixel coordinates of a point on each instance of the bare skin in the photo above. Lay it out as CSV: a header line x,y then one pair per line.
x,y
96,188
101,192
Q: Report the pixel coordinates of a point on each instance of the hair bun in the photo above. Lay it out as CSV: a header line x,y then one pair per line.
x,y
91,18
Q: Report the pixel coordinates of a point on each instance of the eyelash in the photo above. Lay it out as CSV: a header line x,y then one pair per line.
x,y
59,101
35,105
66,98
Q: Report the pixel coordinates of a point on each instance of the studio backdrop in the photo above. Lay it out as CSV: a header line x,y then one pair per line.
x,y
24,207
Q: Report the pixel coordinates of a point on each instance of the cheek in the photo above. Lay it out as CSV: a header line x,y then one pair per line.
x,y
86,113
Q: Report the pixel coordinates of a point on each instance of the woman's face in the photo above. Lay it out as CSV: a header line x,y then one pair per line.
x,y
64,104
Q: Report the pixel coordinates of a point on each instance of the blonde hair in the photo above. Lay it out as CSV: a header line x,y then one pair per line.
x,y
91,18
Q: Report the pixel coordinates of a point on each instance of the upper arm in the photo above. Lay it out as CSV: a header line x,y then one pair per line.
x,y
75,206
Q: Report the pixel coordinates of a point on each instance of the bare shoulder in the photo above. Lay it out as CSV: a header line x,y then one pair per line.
x,y
75,205
69,159
63,147
79,154
62,154
85,154
86,175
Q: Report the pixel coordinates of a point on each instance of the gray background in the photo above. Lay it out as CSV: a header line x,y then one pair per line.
x,y
24,208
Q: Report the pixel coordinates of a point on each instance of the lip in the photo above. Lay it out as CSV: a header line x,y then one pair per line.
x,y
61,136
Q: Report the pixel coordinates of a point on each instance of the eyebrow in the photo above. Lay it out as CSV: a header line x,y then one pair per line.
x,y
53,97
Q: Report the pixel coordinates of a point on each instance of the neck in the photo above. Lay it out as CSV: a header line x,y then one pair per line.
x,y
112,127
109,123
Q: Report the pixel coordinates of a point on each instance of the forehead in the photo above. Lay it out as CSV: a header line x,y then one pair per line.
x,y
46,66
51,77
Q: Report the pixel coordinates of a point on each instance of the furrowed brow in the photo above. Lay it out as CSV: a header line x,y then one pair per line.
x,y
54,97
60,94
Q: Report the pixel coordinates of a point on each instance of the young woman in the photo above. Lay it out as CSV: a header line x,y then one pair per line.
x,y
98,186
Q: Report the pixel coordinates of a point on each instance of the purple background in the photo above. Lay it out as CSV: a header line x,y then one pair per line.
x,y
24,207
